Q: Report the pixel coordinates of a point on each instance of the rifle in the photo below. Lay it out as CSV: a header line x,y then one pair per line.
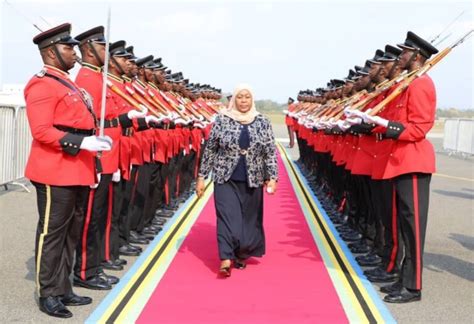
x,y
423,70
142,101
105,72
148,99
125,96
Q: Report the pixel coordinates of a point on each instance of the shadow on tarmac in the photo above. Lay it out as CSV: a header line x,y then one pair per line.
x,y
457,194
441,262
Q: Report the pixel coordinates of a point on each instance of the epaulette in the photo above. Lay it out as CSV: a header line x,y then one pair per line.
x,y
41,73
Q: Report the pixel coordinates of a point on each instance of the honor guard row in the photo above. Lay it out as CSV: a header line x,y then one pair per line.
x,y
99,194
363,147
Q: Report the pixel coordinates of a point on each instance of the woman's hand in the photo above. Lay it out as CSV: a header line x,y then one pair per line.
x,y
271,186
200,186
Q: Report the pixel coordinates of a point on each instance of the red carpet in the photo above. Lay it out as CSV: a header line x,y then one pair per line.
x,y
290,284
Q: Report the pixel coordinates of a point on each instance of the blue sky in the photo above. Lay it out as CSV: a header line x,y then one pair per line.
x,y
278,47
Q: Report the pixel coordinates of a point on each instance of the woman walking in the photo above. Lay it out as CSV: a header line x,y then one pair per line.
x,y
241,154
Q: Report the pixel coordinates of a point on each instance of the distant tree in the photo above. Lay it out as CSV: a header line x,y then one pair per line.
x,y
269,106
454,113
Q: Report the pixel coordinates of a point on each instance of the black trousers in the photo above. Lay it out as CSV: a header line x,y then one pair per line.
x,y
158,197
122,210
61,213
155,193
89,251
412,192
383,198
239,210
140,195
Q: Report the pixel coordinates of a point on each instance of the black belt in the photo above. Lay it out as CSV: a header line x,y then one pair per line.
x,y
111,123
72,130
127,132
381,136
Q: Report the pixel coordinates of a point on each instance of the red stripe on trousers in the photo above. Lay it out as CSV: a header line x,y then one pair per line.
x,y
393,255
176,194
167,192
417,231
134,188
84,234
109,222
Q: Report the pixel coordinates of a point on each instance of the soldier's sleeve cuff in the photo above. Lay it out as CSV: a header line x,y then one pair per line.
x,y
71,143
125,122
362,128
142,125
156,125
394,129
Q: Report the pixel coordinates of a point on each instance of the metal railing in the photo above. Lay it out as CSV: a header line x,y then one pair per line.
x,y
15,143
459,136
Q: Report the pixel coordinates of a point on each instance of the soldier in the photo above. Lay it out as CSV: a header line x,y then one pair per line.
x,y
289,123
410,165
89,255
120,66
61,166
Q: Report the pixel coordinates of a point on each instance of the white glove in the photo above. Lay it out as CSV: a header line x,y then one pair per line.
x,y
343,125
321,125
285,112
153,119
353,121
135,114
353,112
96,143
143,109
116,176
180,121
332,122
95,185
375,120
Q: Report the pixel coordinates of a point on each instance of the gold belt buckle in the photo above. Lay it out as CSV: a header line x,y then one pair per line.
x,y
243,152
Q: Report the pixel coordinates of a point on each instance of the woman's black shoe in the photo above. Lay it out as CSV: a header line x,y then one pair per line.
x,y
225,271
240,265
54,307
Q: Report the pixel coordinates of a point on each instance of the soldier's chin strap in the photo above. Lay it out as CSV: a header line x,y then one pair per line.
x,y
117,65
96,55
412,58
378,72
157,82
65,68
395,64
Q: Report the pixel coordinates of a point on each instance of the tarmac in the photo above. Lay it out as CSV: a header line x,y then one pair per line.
x,y
448,276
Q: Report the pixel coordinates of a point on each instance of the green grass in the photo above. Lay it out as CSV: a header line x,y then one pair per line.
x,y
275,117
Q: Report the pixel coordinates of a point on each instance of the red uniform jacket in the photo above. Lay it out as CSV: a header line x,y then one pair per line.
x,y
289,120
412,152
55,156
364,159
90,79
